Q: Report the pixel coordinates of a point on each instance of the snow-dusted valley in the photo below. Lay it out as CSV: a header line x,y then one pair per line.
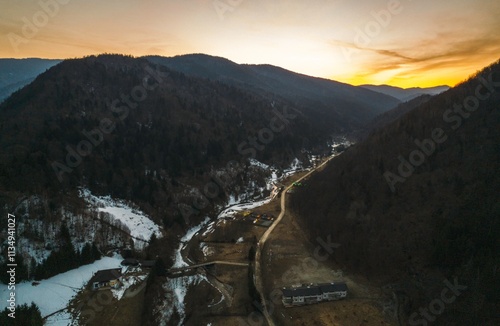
x,y
212,163
114,225
177,288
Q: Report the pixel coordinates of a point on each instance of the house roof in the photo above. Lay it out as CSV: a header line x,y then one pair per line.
x,y
106,275
332,287
312,290
129,261
303,291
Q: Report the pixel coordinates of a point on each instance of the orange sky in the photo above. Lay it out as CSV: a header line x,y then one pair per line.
x,y
403,43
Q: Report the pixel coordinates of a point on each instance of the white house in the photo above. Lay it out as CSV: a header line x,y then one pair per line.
x,y
313,293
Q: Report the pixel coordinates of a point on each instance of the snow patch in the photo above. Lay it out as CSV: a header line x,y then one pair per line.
x,y
178,260
62,318
127,282
295,166
55,293
254,162
139,224
176,292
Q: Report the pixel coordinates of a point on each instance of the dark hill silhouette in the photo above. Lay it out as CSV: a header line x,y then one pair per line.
x,y
414,226
406,94
93,122
337,106
387,117
16,73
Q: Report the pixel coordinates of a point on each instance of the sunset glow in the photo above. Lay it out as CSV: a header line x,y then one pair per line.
x,y
402,43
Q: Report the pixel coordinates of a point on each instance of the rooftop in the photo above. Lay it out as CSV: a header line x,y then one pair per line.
x,y
106,275
314,289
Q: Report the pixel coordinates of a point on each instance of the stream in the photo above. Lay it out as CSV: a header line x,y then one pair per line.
x,y
177,288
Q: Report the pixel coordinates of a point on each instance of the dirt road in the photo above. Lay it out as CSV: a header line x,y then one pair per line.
x,y
262,242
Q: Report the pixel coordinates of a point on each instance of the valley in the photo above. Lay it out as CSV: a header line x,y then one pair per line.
x,y
221,184
287,258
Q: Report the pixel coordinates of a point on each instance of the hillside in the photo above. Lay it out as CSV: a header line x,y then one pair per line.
x,y
335,106
16,73
409,227
406,94
92,123
387,117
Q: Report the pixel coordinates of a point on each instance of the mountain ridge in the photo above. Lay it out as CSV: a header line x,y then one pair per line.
x,y
347,106
406,94
16,73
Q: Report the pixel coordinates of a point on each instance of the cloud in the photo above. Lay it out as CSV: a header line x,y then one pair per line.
x,y
444,50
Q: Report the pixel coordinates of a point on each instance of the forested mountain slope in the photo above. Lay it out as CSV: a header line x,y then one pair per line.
x,y
418,202
335,106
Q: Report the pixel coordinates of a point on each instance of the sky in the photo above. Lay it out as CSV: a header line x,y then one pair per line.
x,y
396,42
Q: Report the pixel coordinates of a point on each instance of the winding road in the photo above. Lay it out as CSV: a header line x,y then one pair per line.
x,y
258,271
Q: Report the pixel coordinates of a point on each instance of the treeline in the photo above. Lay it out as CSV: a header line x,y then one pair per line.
x,y
60,261
25,315
64,260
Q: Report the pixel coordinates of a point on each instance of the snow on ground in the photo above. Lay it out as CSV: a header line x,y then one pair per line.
x,y
207,251
34,249
55,293
240,240
210,228
179,261
62,318
177,287
176,291
242,207
140,225
127,282
295,166
261,165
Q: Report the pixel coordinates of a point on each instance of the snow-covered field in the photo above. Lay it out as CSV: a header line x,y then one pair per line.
x,y
140,225
56,292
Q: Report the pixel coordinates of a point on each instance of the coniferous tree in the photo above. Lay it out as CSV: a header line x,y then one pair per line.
x,y
96,254
25,315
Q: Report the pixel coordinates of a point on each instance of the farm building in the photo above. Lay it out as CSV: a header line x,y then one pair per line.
x,y
106,278
313,293
130,262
